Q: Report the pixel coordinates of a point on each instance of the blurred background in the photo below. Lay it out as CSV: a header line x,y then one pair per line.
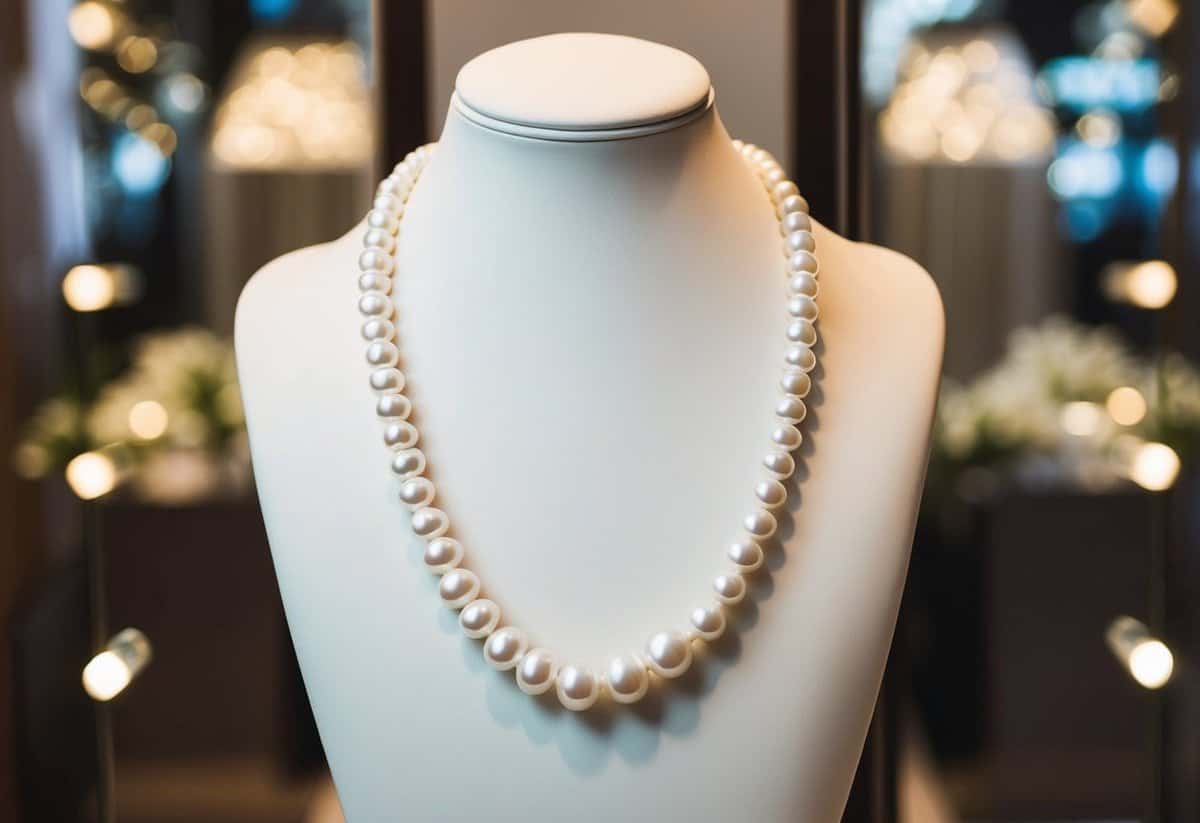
x,y
1038,158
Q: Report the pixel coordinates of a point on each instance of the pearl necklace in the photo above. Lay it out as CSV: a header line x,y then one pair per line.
x,y
667,654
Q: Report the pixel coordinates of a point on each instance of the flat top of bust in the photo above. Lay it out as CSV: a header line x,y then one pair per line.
x,y
579,81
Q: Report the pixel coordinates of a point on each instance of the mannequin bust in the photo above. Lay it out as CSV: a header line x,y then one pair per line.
x,y
589,297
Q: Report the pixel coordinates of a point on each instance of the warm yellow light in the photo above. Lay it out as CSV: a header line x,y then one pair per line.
x,y
89,288
1152,16
1151,663
161,135
105,676
140,116
148,419
1126,406
137,54
1080,418
1154,466
92,25
91,475
1100,129
1149,285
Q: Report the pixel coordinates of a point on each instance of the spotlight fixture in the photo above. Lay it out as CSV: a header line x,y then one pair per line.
x,y
121,660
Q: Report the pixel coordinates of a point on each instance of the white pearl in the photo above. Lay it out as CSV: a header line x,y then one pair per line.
x,y
792,203
760,524
408,463
795,382
773,174
760,156
536,671
430,522
737,144
798,241
577,688
803,261
791,409
375,304
376,259
382,353
387,381
479,618
748,150
746,555
378,328
389,203
784,190
627,679
801,357
417,491
384,220
442,555
771,493
708,621
802,332
379,239
803,283
794,221
398,183
787,436
458,587
503,650
780,464
374,281
669,654
400,434
802,306
730,588
393,405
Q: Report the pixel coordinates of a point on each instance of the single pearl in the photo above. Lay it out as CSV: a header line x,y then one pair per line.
x,y
378,328
379,239
504,648
387,381
374,281
408,463
787,436
803,283
795,382
708,621
536,671
458,587
397,183
771,493
627,679
577,688
780,464
802,306
393,405
801,357
730,588
384,220
792,203
479,618
784,190
430,522
389,203
669,654
748,150
794,221
760,524
803,261
400,434
773,175
442,555
737,144
791,409
382,353
375,304
798,241
417,491
376,259
802,332
746,555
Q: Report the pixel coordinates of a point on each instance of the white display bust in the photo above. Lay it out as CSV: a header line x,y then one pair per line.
x,y
592,330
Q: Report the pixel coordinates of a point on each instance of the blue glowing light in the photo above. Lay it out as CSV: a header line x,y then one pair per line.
x,y
138,165
1160,168
271,10
1083,171
1082,83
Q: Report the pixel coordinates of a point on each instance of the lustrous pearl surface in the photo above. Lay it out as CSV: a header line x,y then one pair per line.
x,y
382,219
458,587
730,588
669,654
376,259
772,493
504,648
382,353
787,436
795,221
802,306
801,357
442,555
417,491
708,622
577,688
478,618
761,524
791,409
803,283
796,382
780,464
802,332
400,434
536,671
803,261
799,241
408,463
746,555
375,304
378,328
393,405
379,239
430,522
784,190
389,380
791,204
390,204
374,281
627,679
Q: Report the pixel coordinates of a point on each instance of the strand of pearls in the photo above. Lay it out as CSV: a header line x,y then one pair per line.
x,y
667,654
